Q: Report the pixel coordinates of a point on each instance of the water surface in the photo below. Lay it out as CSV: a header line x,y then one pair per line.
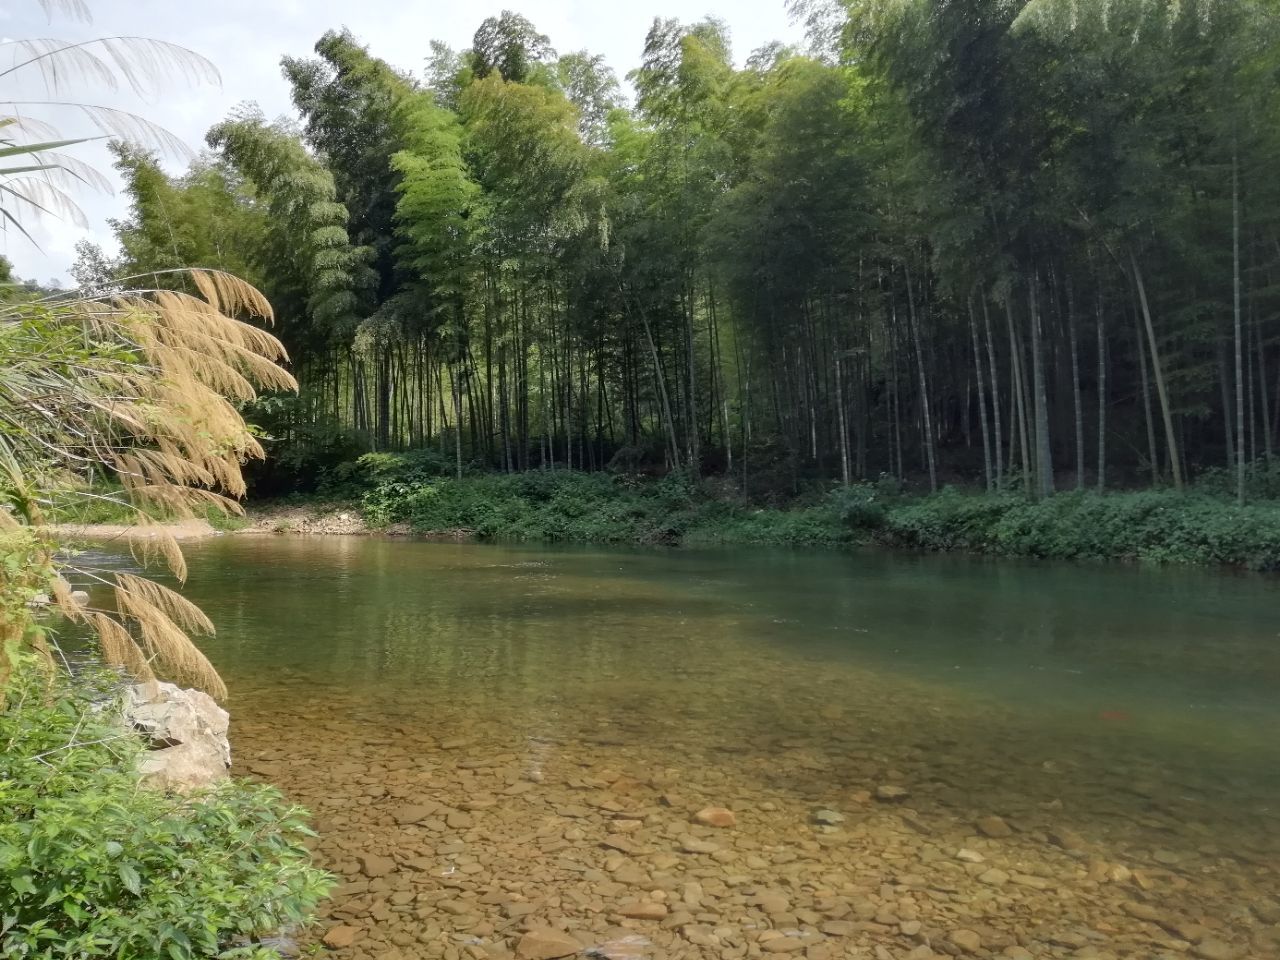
x,y
1135,707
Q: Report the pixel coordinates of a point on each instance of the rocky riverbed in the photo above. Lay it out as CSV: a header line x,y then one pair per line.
x,y
823,815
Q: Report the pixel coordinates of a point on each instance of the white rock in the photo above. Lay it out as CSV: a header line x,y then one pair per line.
x,y
187,732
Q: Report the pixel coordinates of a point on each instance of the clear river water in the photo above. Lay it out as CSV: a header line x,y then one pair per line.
x,y
925,756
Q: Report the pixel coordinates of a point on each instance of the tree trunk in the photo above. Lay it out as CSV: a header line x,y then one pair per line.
x,y
1019,400
982,403
457,417
691,403
995,395
1238,330
1044,452
1075,384
662,388
914,323
1102,395
840,419
1166,411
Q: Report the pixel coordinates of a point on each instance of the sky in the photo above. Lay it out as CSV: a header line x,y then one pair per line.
x,y
246,39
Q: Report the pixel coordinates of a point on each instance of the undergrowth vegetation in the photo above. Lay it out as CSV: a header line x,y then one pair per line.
x,y
1154,526
94,866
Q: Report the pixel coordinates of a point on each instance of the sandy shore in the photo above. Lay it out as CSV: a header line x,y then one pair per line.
x,y
270,519
178,530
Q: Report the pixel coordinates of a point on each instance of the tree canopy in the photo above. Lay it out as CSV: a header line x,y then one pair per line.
x,y
1029,244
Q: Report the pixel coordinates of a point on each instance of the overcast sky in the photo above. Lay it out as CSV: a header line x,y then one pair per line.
x,y
246,39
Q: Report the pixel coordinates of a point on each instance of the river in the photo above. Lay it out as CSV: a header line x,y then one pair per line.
x,y
923,755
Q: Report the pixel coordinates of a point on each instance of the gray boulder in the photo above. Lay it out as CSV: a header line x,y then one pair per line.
x,y
187,733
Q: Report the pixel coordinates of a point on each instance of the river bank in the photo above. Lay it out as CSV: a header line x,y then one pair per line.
x,y
1157,526
1151,527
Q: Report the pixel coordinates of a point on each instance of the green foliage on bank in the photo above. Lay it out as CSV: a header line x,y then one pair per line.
x,y
1200,528
1149,526
91,865
584,508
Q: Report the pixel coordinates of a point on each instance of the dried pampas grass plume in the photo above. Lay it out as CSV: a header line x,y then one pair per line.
x,y
140,385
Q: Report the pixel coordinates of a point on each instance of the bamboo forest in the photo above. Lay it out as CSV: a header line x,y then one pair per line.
x,y
1031,245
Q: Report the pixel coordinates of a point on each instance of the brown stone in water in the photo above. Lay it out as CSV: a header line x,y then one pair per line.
x,y
340,937
626,785
1268,911
415,813
716,817
546,943
1216,950
1068,840
994,827
694,845
995,877
1142,911
643,910
1027,880
890,793
773,903
783,945
372,865
966,941
1185,930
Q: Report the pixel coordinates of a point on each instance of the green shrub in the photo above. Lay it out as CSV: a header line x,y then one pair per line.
x,y
1152,526
861,506
93,866
1261,481
593,508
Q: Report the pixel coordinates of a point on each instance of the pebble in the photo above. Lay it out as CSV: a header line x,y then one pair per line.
x,y
411,814
1268,911
716,817
772,903
340,937
1142,911
643,910
694,845
783,945
1068,840
891,793
373,865
994,827
1215,950
545,943
966,941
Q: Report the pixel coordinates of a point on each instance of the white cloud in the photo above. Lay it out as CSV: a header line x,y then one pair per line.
x,y
246,40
